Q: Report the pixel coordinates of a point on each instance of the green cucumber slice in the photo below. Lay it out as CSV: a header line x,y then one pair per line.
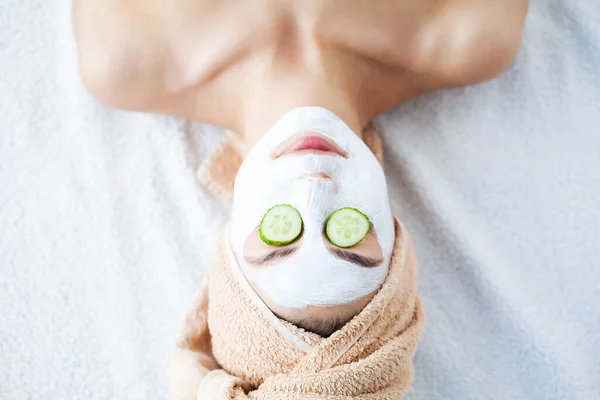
x,y
347,227
281,225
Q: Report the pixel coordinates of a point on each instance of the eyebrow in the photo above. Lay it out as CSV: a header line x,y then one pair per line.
x,y
346,255
272,256
352,257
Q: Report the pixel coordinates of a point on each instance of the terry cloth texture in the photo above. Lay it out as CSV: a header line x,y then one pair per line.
x,y
262,357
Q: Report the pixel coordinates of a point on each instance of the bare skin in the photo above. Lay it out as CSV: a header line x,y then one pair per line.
x,y
242,64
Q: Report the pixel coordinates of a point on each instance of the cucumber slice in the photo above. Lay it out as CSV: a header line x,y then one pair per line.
x,y
347,227
281,225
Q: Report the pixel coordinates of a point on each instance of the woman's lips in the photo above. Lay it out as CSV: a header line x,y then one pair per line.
x,y
308,143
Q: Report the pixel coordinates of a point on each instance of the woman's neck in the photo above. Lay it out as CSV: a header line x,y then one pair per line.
x,y
322,82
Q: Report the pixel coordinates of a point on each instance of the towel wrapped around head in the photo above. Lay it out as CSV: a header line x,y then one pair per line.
x,y
233,347
263,357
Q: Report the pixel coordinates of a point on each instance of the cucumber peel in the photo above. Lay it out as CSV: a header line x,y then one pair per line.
x,y
347,227
281,225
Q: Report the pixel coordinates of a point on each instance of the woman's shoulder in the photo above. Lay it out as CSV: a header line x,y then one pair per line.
x,y
468,41
160,56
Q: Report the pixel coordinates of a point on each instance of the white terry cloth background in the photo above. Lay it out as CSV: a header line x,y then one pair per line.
x,y
105,234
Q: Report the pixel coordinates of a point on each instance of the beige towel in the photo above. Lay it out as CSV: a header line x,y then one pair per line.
x,y
263,357
233,347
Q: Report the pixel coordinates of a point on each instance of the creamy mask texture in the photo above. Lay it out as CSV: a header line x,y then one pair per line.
x,y
312,275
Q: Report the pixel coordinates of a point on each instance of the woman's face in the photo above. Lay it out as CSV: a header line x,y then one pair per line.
x,y
312,161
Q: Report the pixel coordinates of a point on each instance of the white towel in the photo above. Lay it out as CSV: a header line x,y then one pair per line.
x,y
103,228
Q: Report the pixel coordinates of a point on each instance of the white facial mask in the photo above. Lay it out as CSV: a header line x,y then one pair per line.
x,y
312,276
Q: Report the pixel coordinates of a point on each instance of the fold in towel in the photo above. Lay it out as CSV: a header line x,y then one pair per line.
x,y
263,357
